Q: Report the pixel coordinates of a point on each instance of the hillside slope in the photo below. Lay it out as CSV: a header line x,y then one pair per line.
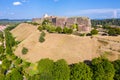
x,y
63,46
23,30
58,46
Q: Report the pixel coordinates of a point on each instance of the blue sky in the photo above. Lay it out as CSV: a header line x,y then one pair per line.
x,y
27,9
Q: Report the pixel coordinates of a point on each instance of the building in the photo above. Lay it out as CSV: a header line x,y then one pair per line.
x,y
84,23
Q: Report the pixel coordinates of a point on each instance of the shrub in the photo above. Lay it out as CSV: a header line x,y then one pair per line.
x,y
24,50
43,34
59,30
18,61
69,31
41,39
40,28
82,34
94,32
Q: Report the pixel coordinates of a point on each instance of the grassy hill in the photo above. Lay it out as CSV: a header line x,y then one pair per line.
x,y
62,46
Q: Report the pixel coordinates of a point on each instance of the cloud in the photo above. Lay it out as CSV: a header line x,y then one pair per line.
x,y
17,3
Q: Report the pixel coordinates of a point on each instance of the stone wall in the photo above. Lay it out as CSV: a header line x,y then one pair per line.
x,y
84,23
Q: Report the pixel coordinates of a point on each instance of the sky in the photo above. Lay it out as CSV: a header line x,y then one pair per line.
x,y
28,9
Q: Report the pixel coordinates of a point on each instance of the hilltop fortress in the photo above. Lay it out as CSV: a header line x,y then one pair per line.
x,y
84,23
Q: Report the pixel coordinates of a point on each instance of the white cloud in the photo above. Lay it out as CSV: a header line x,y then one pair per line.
x,y
17,3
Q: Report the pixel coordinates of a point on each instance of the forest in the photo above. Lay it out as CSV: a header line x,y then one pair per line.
x,y
105,22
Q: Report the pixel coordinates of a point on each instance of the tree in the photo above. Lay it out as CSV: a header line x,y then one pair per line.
x,y
45,68
14,75
75,27
70,31
40,28
24,50
117,69
65,29
112,32
6,64
59,30
2,76
52,29
102,69
45,23
41,38
80,71
43,34
94,32
61,70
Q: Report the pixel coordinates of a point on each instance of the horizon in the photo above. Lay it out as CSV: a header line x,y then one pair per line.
x,y
28,9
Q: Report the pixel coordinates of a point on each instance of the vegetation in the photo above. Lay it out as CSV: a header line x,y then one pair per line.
x,y
94,32
61,70
102,69
80,71
42,37
45,70
106,21
24,50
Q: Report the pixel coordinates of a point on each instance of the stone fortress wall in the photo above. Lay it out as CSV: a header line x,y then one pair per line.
x,y
84,23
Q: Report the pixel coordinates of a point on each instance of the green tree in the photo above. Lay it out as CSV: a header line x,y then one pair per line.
x,y
94,32
65,30
6,64
80,71
70,31
14,75
112,32
41,38
61,70
52,29
24,50
117,69
59,29
102,69
40,28
45,67
2,76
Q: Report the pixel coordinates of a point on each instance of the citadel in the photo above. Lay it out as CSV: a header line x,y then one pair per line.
x,y
84,23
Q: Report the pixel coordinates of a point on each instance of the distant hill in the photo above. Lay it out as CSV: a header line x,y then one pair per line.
x,y
11,21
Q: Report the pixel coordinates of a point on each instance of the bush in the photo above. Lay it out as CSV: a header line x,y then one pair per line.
x,y
18,61
94,32
24,50
41,38
43,34
112,32
59,30
40,28
70,31
82,34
